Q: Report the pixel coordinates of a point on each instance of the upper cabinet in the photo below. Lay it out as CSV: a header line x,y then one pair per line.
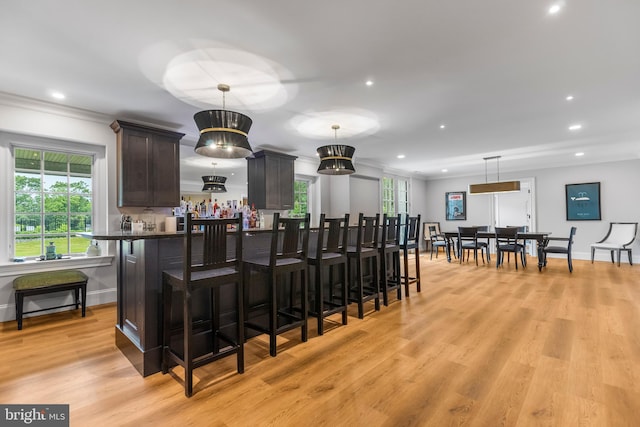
x,y
271,177
148,165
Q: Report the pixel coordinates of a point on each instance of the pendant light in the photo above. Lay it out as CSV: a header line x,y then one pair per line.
x,y
494,187
336,159
214,183
223,133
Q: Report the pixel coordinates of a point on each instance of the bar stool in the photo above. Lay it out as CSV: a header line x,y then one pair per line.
x,y
390,248
365,250
330,252
288,256
411,240
207,265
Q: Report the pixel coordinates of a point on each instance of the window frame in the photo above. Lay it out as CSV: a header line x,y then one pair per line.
x,y
100,209
388,188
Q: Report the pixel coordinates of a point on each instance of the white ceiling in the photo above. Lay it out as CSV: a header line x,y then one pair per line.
x,y
496,72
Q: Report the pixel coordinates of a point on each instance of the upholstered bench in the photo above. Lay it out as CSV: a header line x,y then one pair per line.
x,y
48,282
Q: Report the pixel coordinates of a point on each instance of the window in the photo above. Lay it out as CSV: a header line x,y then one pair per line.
x,y
53,201
388,199
300,199
403,196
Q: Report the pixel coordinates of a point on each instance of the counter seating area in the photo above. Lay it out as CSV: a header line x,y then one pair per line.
x,y
191,298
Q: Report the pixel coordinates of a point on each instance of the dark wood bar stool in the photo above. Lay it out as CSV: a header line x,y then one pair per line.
x,y
361,288
411,241
331,252
390,251
287,257
208,265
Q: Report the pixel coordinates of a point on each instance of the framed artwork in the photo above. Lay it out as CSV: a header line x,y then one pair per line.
x,y
583,201
456,205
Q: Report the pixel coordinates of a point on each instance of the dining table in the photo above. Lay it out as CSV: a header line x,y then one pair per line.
x,y
537,236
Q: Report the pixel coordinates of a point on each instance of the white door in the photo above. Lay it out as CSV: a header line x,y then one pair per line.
x,y
516,209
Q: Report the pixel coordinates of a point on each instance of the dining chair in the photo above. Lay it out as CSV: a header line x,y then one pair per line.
x,y
207,266
437,241
485,242
559,249
468,241
507,241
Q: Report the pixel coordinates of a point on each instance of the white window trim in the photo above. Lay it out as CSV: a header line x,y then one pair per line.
x,y
100,200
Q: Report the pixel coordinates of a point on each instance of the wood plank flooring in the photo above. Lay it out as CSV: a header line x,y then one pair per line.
x,y
479,346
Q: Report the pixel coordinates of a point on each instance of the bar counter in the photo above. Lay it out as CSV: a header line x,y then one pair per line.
x,y
141,258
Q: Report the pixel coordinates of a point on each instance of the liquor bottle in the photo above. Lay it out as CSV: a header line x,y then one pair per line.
x,y
253,217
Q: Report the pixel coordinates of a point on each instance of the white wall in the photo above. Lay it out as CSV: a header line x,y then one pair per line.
x,y
26,117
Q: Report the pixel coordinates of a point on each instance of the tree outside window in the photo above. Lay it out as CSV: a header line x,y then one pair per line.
x,y
300,199
53,201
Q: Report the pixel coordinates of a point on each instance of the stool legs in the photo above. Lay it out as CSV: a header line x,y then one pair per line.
x,y
188,338
407,279
357,283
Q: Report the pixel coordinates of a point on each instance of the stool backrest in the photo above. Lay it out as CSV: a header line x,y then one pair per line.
x,y
367,236
412,231
336,236
213,246
390,230
294,242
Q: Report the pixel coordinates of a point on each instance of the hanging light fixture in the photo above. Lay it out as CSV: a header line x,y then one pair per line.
x,y
336,159
214,183
223,133
494,187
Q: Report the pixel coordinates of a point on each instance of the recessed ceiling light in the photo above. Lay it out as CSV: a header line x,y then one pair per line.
x,y
577,126
569,98
579,154
401,156
554,8
442,126
57,95
369,83
445,170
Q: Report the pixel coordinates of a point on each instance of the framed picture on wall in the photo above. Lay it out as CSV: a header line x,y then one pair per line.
x,y
583,201
456,205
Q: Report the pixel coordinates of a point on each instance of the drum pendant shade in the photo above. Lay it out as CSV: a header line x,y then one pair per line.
x,y
336,159
214,184
223,134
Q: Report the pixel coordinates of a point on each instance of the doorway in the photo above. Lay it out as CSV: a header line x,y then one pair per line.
x,y
516,209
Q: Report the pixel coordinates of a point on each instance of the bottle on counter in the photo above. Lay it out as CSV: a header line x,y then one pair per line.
x,y
253,217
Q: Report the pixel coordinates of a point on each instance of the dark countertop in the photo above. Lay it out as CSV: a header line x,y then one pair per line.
x,y
143,235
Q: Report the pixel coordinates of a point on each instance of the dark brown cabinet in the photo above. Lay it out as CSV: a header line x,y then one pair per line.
x,y
148,165
271,177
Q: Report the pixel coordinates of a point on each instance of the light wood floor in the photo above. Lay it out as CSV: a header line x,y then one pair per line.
x,y
479,347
